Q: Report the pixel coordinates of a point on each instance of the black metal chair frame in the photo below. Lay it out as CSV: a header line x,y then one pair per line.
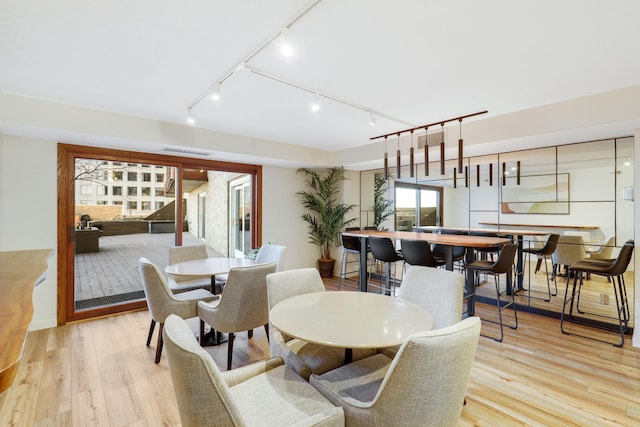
x,y
418,252
613,269
503,265
543,254
383,250
350,246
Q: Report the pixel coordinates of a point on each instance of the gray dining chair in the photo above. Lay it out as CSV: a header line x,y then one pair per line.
x,y
243,305
162,302
180,283
304,357
265,393
424,385
266,254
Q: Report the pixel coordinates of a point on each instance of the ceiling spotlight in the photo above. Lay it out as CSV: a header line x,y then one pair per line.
x,y
315,106
285,46
190,119
372,119
215,95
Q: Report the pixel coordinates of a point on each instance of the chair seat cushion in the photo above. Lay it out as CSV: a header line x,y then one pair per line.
x,y
480,265
197,294
597,267
203,282
356,383
280,397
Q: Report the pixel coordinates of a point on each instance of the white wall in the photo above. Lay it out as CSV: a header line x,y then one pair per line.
x,y
28,212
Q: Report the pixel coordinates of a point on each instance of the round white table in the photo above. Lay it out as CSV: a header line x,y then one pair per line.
x,y
207,266
350,319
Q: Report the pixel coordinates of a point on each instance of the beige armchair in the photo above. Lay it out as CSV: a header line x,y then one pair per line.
x,y
439,292
266,254
180,283
570,250
162,301
243,305
423,385
263,394
304,357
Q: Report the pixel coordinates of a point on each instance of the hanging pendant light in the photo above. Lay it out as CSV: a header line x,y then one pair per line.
x,y
477,175
466,176
504,174
491,174
411,165
398,159
386,160
518,172
426,151
455,179
460,143
442,151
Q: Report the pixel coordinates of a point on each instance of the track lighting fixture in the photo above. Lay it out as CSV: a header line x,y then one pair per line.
x,y
215,94
285,46
315,105
190,119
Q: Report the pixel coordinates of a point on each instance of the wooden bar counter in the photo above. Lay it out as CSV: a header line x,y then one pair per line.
x,y
20,271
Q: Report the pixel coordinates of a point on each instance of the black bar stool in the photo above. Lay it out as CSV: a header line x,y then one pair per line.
x,y
382,250
418,252
543,254
350,246
503,265
613,269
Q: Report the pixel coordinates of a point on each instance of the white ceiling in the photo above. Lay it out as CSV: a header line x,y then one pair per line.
x,y
416,61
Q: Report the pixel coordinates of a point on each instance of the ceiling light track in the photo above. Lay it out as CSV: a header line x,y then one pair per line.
x,y
253,53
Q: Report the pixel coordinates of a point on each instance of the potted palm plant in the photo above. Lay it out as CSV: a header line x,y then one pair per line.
x,y
325,215
382,208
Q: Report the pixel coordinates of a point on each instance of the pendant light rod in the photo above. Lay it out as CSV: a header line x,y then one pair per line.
x,y
431,124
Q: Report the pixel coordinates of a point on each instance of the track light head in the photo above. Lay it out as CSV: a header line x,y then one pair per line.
x,y
372,119
215,95
190,119
315,105
285,46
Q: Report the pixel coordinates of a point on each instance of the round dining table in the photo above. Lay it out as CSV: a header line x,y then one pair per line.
x,y
350,319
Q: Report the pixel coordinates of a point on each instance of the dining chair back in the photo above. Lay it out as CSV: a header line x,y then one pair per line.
x,y
243,305
604,251
570,250
439,250
180,283
265,393
503,265
439,292
383,251
418,252
425,384
266,254
543,253
612,269
305,358
162,302
351,245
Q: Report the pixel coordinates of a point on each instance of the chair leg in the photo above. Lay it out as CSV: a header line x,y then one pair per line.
x,y
151,328
266,330
201,334
250,333
160,343
230,350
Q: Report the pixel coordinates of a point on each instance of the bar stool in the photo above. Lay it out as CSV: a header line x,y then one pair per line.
x,y
439,250
418,252
351,245
503,265
382,250
613,269
543,254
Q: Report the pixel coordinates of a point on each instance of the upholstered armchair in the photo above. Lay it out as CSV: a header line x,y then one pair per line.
x,y
263,394
304,357
162,301
243,305
266,254
180,283
423,385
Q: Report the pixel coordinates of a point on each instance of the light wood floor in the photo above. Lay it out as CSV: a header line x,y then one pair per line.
x,y
100,372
